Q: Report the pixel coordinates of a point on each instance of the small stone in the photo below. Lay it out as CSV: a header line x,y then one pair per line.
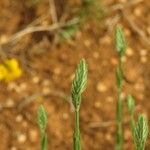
x,y
101,87
23,86
96,55
108,137
127,134
137,12
57,71
109,99
46,82
13,148
35,79
105,40
19,118
143,59
46,90
97,104
11,86
129,51
148,30
24,124
143,52
21,138
113,61
45,23
10,102
127,32
87,43
65,116
33,134
3,39
139,87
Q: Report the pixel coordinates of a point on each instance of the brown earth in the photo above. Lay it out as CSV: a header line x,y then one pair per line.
x,y
49,65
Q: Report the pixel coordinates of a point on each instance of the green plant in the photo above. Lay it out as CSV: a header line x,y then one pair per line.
x,y
42,122
140,133
78,86
121,48
89,9
131,107
140,128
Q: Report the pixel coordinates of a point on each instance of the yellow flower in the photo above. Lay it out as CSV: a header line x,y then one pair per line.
x,y
3,72
10,70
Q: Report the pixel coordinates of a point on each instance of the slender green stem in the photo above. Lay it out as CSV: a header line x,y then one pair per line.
x,y
76,136
119,140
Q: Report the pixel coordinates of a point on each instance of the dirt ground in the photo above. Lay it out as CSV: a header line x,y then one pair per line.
x,y
48,68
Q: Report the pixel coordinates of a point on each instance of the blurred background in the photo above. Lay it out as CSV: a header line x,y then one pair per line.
x,y
41,43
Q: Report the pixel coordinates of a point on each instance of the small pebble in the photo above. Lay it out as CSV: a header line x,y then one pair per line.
x,y
46,90
19,118
129,52
101,87
10,102
109,99
87,43
143,59
108,137
137,12
35,79
143,52
127,32
13,148
11,86
127,134
139,87
57,71
96,55
148,30
105,40
3,39
113,61
33,134
22,138
23,86
97,104
46,82
65,116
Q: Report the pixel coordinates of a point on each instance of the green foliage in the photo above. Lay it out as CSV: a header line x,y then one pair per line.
x,y
130,105
79,83
37,2
91,9
120,47
42,122
69,32
140,133
78,87
140,128
120,41
119,77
